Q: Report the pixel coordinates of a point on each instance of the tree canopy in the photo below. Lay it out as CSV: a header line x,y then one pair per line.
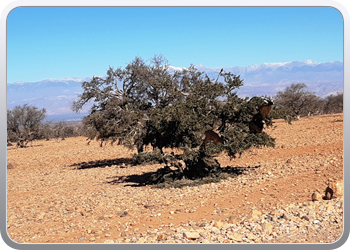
x,y
23,124
150,103
297,100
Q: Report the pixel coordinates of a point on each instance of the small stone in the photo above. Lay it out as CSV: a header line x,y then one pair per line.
x,y
141,240
236,237
268,229
82,238
276,213
202,234
232,219
191,235
287,216
160,237
305,218
330,207
251,236
215,230
41,216
122,214
257,240
108,241
255,215
218,224
316,196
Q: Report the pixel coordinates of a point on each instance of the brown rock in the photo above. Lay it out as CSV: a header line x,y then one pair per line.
x,y
304,217
232,219
160,236
122,214
316,196
334,190
328,193
10,166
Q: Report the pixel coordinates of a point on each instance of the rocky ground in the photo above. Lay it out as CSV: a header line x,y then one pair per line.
x,y
68,191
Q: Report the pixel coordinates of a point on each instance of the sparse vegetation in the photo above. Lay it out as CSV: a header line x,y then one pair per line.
x,y
334,103
25,124
296,101
99,191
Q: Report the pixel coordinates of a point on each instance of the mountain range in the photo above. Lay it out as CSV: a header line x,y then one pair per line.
x,y
56,95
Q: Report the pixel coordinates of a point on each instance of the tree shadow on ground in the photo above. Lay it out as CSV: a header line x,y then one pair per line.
x,y
14,146
122,162
144,179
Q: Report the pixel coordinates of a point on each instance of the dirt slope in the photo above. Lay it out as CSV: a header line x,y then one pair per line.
x,y
67,191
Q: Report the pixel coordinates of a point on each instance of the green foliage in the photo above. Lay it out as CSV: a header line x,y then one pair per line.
x,y
244,140
150,104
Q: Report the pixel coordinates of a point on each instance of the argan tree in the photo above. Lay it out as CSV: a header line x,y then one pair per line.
x,y
23,124
298,101
334,103
151,104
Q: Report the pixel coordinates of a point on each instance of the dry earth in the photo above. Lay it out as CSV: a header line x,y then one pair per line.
x,y
67,191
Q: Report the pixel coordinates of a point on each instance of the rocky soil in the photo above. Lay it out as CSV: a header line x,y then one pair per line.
x,y
70,192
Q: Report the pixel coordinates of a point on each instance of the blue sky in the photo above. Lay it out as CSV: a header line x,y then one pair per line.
x,y
58,42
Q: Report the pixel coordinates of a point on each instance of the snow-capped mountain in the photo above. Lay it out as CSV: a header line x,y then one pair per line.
x,y
265,79
269,78
55,95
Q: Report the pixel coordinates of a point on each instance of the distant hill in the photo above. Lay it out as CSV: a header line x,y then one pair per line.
x,y
67,118
56,95
269,78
